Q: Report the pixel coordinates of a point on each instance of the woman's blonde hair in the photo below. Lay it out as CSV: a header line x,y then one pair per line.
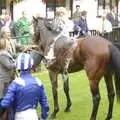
x,y
4,30
83,13
2,43
61,10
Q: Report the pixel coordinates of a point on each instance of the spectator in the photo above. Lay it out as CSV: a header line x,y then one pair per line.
x,y
25,92
3,13
82,26
7,19
23,25
77,14
60,22
112,18
107,26
12,46
103,25
6,66
2,22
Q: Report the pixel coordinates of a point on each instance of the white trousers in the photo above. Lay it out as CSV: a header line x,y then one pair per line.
x,y
29,114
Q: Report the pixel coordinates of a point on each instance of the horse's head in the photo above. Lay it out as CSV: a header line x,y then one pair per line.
x,y
36,30
38,26
42,36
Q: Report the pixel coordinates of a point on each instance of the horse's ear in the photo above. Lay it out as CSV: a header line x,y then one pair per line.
x,y
35,19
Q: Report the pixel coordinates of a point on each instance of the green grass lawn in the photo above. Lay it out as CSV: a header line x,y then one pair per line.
x,y
81,98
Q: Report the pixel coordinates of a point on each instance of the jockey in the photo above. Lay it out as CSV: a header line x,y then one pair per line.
x,y
25,92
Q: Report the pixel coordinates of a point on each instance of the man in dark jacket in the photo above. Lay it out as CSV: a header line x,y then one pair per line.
x,y
7,66
77,14
82,26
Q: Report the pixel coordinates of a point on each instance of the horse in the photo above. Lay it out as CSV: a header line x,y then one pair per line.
x,y
96,55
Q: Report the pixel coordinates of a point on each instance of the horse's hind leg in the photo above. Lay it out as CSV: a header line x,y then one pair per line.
x,y
65,78
111,93
96,98
94,74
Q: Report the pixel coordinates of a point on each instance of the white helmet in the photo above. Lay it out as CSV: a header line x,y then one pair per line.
x,y
24,62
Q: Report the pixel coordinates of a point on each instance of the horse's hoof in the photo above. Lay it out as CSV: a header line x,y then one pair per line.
x,y
53,116
67,110
108,118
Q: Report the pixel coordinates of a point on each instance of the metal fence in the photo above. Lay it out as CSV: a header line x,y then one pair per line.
x,y
114,35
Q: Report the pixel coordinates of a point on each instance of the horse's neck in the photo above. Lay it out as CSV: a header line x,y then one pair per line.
x,y
48,39
47,36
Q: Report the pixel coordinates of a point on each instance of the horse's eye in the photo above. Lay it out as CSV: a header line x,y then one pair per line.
x,y
42,47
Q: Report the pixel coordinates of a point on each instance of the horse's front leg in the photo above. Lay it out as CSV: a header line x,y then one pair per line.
x,y
65,78
54,83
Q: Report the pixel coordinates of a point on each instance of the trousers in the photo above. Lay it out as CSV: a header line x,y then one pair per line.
x,y
29,114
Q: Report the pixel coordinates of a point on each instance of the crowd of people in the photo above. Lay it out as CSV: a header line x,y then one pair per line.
x,y
20,29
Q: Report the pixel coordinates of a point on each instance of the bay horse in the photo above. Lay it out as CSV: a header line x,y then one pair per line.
x,y
96,55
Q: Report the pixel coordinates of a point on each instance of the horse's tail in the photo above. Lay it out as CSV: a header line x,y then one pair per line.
x,y
115,64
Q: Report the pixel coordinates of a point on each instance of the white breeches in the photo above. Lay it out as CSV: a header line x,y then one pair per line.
x,y
29,114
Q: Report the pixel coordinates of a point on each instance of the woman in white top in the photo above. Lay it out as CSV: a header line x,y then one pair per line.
x,y
61,25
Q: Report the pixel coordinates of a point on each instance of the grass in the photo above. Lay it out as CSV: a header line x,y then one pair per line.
x,y
81,98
